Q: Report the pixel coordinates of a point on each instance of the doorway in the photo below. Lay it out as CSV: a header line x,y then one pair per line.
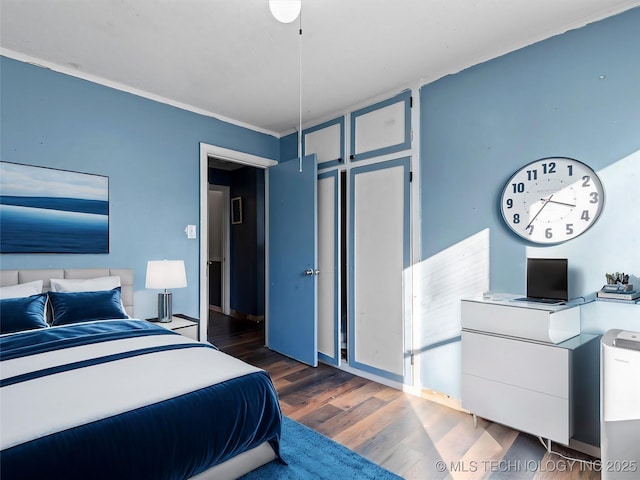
x,y
207,154
236,255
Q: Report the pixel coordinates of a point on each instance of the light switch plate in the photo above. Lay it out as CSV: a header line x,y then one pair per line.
x,y
190,231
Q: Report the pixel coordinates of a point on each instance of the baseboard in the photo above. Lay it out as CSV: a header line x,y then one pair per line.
x,y
246,316
344,366
215,308
443,399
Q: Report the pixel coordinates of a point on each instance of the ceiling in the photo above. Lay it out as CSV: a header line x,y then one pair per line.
x,y
233,60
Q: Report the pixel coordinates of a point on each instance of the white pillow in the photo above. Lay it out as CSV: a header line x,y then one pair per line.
x,y
84,285
21,290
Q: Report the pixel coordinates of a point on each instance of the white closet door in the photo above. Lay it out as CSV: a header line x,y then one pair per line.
x,y
382,128
327,142
379,252
328,297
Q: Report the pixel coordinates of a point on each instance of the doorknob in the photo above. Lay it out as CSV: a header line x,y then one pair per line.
x,y
310,272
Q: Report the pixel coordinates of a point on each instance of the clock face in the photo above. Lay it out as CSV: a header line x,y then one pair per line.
x,y
552,200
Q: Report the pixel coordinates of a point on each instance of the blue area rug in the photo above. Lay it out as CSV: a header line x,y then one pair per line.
x,y
311,455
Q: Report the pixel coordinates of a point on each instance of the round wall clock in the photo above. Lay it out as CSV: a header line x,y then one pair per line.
x,y
552,200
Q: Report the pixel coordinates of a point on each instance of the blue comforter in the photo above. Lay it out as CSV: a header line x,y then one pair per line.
x,y
154,437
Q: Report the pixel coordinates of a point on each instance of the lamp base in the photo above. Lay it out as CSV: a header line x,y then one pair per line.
x,y
164,307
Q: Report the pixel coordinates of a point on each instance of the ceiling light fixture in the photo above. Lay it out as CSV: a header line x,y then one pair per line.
x,y
285,11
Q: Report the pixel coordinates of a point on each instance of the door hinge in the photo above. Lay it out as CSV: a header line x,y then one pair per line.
x,y
411,101
412,358
410,177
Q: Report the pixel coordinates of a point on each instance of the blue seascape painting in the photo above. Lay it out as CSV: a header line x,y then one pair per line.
x,y
45,210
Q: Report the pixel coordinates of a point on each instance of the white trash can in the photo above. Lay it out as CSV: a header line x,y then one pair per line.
x,y
620,405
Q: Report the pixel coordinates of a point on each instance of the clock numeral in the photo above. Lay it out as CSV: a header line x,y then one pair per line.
x,y
569,228
585,181
509,203
532,174
530,228
570,168
585,215
549,167
516,218
518,187
548,233
594,197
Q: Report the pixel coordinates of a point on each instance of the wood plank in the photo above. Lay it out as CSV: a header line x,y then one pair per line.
x,y
347,418
359,434
460,438
326,397
357,396
319,416
281,369
394,434
301,392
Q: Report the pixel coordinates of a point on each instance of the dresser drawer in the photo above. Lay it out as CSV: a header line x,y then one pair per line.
x,y
553,324
533,366
533,412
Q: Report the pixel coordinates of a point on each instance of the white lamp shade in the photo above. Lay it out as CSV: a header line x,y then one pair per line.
x,y
165,274
285,11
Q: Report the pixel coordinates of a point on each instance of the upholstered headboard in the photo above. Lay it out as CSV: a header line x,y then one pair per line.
x,y
14,277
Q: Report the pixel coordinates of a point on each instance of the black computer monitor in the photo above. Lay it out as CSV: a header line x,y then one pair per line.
x,y
547,278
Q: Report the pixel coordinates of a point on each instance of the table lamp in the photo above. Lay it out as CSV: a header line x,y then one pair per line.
x,y
165,274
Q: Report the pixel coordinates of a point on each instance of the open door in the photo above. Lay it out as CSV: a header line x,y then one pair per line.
x,y
292,259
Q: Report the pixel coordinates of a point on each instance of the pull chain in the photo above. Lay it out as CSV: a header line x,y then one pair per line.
x,y
300,89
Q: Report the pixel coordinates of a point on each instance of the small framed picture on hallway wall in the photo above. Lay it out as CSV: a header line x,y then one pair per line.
x,y
236,210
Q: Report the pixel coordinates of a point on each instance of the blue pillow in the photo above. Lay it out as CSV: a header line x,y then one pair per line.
x,y
25,313
86,306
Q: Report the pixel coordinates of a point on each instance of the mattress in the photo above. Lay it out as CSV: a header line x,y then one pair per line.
x,y
126,399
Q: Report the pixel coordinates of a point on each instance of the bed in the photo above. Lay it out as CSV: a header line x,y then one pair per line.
x,y
88,392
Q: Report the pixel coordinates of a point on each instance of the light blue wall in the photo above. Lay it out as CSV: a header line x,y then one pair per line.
x,y
575,95
289,147
149,151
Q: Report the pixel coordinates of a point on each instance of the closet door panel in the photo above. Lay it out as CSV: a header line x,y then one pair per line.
x,y
327,142
379,256
328,298
382,128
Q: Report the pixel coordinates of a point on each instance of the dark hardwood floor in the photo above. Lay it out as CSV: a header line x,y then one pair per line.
x,y
411,436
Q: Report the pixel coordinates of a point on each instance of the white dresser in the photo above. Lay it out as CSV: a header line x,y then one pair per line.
x,y
528,367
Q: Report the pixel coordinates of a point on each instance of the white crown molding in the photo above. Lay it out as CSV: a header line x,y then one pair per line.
x,y
22,57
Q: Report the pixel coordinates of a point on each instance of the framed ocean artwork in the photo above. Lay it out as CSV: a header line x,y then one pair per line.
x,y
46,210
